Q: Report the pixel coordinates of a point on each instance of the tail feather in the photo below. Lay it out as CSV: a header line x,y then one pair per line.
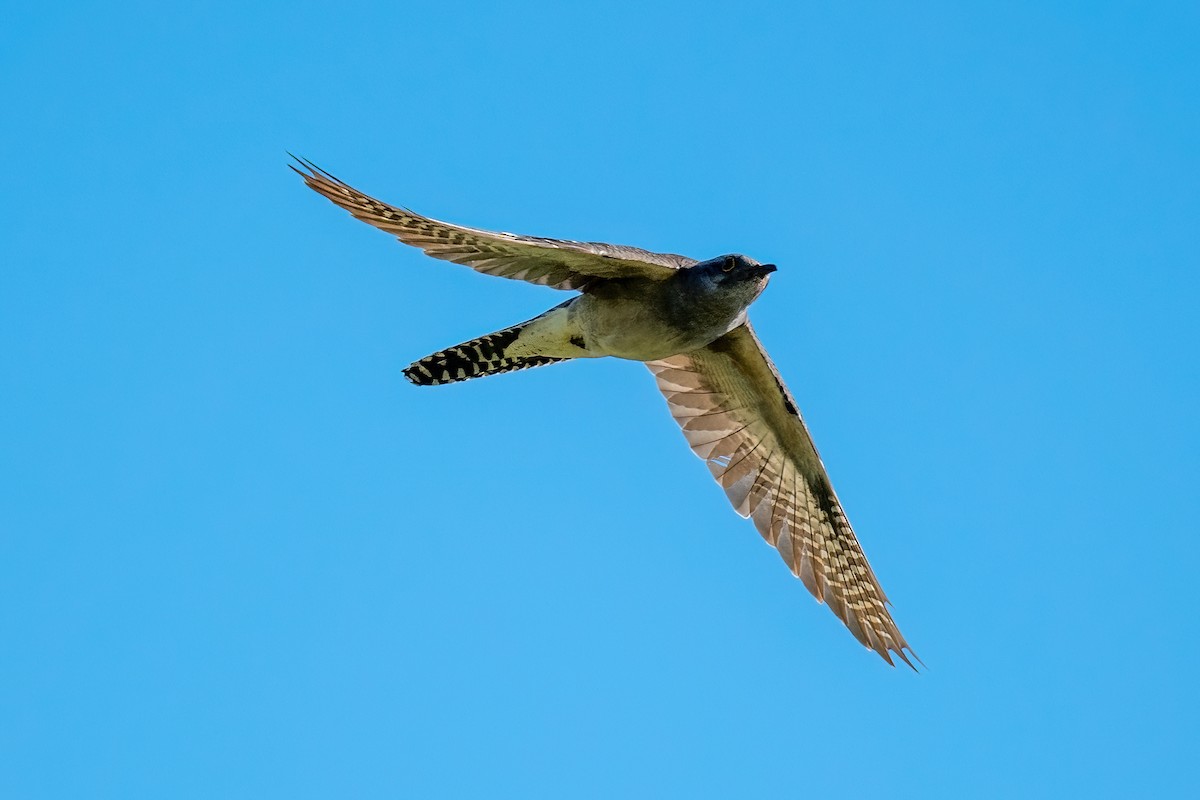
x,y
474,359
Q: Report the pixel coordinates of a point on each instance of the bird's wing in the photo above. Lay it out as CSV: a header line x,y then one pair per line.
x,y
739,417
558,263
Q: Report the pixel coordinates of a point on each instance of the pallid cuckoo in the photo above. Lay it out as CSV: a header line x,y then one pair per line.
x,y
686,320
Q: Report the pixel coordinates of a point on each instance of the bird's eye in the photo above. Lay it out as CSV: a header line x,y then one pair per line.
x,y
729,264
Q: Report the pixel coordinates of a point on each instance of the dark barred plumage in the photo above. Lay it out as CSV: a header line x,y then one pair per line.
x,y
473,359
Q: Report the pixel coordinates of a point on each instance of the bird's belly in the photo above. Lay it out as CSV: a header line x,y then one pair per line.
x,y
625,330
631,345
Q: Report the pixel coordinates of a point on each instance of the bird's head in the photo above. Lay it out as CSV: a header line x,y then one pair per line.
x,y
735,274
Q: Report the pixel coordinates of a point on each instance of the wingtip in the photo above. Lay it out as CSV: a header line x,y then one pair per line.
x,y
310,171
889,651
302,170
905,653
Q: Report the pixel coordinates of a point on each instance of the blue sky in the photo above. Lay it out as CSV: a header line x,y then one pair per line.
x,y
242,557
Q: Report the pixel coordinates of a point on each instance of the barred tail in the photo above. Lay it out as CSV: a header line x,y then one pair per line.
x,y
474,359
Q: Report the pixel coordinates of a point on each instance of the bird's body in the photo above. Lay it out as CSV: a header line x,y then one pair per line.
x,y
686,320
648,320
627,322
637,320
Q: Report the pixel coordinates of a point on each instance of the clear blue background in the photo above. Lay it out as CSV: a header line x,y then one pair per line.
x,y
242,557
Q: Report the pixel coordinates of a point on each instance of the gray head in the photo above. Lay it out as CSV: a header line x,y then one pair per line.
x,y
734,274
712,297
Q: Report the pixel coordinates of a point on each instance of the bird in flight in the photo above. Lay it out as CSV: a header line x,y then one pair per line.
x,y
686,320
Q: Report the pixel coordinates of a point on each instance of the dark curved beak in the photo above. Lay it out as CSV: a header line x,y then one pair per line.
x,y
766,269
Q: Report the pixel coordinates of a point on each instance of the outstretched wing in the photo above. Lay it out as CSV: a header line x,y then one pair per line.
x,y
739,417
558,263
